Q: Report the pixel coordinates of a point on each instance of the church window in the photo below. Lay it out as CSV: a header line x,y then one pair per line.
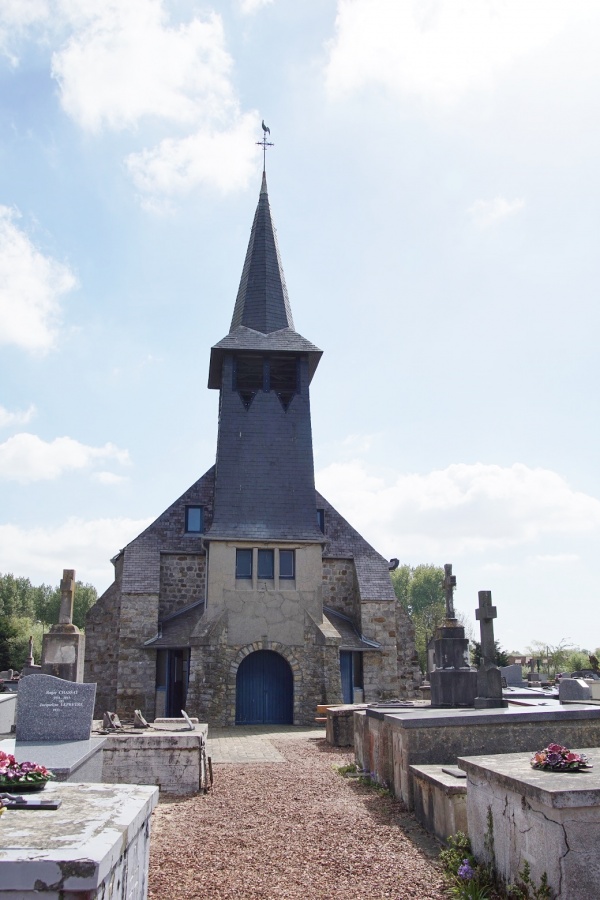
x,y
243,563
266,564
248,377
194,519
284,378
321,519
287,568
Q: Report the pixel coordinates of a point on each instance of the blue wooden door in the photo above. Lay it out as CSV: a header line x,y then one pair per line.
x,y
264,690
347,673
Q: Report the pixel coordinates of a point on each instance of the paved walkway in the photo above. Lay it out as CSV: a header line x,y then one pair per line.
x,y
252,743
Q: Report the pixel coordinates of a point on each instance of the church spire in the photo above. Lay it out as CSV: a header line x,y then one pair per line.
x,y
262,301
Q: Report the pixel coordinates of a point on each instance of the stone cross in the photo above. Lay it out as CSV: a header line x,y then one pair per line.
x,y
486,615
67,596
449,583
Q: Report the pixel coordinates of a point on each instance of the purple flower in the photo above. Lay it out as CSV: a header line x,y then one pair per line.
x,y
466,870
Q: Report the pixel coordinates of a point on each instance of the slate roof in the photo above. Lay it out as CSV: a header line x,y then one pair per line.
x,y
262,301
175,630
351,639
262,316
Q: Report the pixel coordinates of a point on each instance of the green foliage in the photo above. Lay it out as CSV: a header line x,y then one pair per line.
x,y
350,769
525,889
420,591
8,632
500,658
577,660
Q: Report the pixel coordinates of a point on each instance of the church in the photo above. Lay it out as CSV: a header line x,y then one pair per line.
x,y
250,600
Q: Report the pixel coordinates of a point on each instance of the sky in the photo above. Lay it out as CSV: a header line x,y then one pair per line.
x,y
434,182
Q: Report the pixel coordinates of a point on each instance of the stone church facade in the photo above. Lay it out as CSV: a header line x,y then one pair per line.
x,y
250,599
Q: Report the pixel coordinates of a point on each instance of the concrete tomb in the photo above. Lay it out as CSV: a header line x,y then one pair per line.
x,y
63,647
95,845
550,820
513,675
387,744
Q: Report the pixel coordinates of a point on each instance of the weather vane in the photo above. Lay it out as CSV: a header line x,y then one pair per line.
x,y
265,143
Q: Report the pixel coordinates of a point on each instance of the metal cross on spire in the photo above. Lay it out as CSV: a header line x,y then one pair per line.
x,y
265,143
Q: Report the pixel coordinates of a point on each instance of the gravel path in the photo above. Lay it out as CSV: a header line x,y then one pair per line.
x,y
293,829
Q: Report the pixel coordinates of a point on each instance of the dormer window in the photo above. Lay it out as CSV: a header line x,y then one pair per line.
x,y
194,519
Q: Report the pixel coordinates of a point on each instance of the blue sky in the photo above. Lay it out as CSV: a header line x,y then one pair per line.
x,y
435,187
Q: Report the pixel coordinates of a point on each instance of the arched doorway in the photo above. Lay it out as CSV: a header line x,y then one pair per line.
x,y
264,690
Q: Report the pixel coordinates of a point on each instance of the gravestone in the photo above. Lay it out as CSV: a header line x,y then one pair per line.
x,y
52,709
452,681
573,690
489,679
513,674
63,647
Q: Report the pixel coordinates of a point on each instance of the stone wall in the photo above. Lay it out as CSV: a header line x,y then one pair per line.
x,y
339,587
409,671
102,649
182,581
136,676
380,668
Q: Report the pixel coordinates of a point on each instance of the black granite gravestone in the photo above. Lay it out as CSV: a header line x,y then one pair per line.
x,y
489,679
52,709
453,683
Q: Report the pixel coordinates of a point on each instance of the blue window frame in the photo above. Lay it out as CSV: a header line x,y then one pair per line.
x,y
287,564
243,563
194,519
266,564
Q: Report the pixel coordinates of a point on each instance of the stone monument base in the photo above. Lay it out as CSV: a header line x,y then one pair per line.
x,y
451,688
63,650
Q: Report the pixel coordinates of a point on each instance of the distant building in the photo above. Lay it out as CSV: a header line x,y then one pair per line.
x,y
250,599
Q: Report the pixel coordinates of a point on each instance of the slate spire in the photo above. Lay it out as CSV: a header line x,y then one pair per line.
x,y
262,301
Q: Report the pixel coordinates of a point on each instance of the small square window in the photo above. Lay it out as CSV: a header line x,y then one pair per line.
x,y
243,563
287,568
266,563
194,519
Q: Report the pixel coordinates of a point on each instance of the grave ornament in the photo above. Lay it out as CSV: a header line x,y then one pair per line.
x,y
453,684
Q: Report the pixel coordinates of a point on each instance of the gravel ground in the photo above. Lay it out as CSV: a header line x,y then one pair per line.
x,y
295,829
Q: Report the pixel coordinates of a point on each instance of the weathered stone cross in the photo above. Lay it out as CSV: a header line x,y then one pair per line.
x,y
449,583
486,615
67,596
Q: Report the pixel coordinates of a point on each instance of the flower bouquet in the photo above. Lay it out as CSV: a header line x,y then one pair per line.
x,y
556,758
19,777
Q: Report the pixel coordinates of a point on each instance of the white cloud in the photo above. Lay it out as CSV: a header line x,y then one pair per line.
x,y
108,478
460,509
487,212
31,286
16,16
223,158
248,7
26,457
87,546
124,62
439,50
125,66
21,417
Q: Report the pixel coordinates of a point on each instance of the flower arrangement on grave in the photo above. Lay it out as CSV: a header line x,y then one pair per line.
x,y
557,758
22,776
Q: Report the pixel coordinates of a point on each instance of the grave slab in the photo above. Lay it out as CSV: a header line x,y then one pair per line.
x,y
68,760
573,689
550,820
96,845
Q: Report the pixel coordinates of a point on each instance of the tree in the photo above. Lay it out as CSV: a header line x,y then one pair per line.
x,y
8,631
556,655
500,657
420,591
